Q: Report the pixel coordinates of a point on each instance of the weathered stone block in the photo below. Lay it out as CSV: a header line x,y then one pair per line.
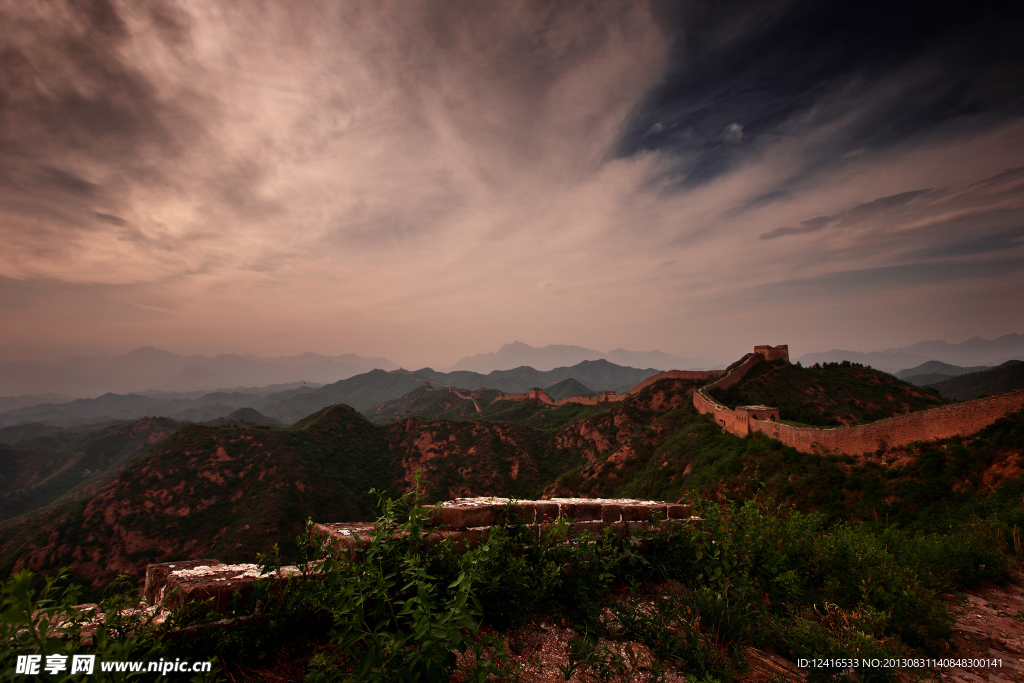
x,y
348,536
679,511
157,575
546,512
579,511
203,582
466,515
642,513
611,513
468,522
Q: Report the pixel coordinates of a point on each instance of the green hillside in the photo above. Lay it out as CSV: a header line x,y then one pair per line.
x,y
245,417
784,533
35,479
362,392
934,371
24,432
423,402
569,387
1005,377
600,374
538,415
826,395
224,492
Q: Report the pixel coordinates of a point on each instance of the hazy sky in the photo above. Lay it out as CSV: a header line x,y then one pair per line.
x,y
428,180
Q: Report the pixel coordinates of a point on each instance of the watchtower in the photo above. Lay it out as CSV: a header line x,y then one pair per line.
x,y
770,353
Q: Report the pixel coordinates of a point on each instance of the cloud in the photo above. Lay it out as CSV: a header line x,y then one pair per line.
x,y
733,132
996,194
65,181
376,176
852,216
784,231
107,218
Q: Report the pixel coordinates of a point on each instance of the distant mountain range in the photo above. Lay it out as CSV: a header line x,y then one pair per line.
x,y
113,407
973,352
12,402
935,371
153,369
362,392
549,357
964,387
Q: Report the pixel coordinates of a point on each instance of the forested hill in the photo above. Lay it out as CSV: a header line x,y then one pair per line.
x,y
827,395
1005,377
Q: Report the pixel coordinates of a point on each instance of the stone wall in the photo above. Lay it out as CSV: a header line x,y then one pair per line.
x,y
542,396
464,521
958,419
722,415
738,372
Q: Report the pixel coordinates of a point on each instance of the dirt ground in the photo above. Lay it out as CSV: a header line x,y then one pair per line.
x,y
990,627
988,647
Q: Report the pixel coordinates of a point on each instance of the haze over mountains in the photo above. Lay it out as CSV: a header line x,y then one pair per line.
x,y
170,383
362,392
552,356
973,352
149,368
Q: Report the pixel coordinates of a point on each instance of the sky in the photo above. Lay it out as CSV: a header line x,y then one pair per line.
x,y
429,180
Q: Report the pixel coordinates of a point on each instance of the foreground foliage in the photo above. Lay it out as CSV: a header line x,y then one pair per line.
x,y
695,597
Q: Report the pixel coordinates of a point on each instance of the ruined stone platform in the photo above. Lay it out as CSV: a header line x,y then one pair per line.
x,y
465,521
198,580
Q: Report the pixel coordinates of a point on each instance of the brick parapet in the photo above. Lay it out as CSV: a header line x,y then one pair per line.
x,y
958,419
726,417
464,521
738,372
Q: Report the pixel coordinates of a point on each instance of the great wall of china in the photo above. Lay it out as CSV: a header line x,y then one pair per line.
x,y
958,419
